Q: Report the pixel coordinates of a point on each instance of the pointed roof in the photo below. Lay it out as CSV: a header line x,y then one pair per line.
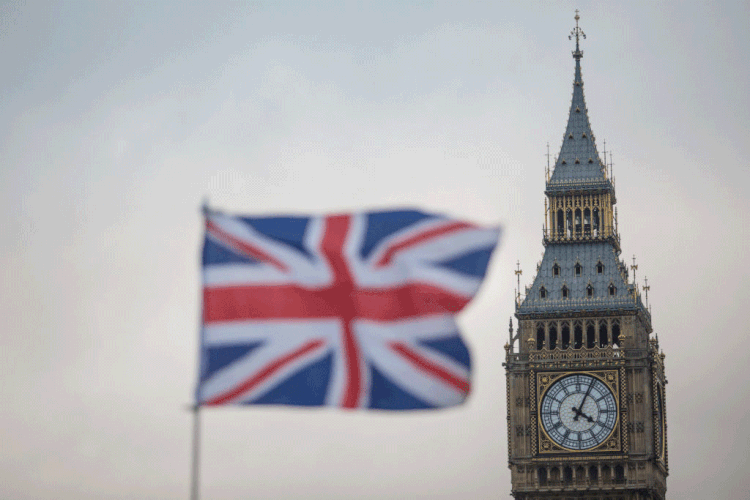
x,y
578,165
599,267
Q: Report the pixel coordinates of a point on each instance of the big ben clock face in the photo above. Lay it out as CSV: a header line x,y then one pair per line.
x,y
578,412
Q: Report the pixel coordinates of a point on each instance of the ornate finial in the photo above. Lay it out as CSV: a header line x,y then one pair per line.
x,y
654,344
634,267
530,341
518,279
646,288
577,32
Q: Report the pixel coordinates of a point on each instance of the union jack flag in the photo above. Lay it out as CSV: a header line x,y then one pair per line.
x,y
355,311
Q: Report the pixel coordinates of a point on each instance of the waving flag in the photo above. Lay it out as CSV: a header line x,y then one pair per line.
x,y
354,311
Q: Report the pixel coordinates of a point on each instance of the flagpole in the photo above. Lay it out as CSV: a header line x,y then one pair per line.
x,y
196,453
195,469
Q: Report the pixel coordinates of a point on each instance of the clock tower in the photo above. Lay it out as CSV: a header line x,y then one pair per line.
x,y
585,377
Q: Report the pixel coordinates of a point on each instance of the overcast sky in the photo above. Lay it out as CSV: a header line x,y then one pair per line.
x,y
118,118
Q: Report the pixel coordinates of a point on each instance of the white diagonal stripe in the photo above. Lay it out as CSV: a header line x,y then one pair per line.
x,y
246,332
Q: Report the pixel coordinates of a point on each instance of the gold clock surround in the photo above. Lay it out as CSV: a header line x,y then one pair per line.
x,y
610,378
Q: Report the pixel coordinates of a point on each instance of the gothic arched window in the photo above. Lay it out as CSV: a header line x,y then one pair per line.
x,y
590,335
568,474
539,336
542,474
578,268
580,474
565,292
587,222
542,293
612,290
603,334
599,267
552,337
589,290
556,269
616,333
577,336
619,473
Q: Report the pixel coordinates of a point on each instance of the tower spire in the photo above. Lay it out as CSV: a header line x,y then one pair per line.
x,y
579,161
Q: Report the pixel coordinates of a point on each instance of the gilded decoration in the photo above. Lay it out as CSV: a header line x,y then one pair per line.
x,y
589,358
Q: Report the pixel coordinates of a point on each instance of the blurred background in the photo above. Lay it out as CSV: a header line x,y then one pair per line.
x,y
118,118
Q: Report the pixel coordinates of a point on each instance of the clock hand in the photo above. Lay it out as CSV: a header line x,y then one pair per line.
x,y
580,408
579,413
